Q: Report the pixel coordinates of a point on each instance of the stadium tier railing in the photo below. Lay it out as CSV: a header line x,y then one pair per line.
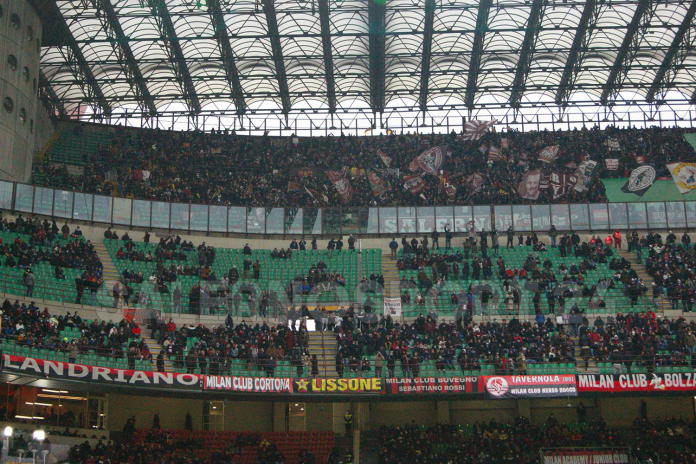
x,y
251,220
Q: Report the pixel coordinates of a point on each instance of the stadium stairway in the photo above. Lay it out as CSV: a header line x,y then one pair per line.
x,y
111,275
155,348
663,304
324,345
391,276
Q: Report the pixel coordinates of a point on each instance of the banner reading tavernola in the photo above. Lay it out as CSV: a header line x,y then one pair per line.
x,y
530,386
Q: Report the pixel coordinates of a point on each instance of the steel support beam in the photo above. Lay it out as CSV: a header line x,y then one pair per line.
x,y
645,9
527,52
176,55
114,31
377,13
427,47
228,59
49,98
683,43
477,52
578,51
328,55
274,36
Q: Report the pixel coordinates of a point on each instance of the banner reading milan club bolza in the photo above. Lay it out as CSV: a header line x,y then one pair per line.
x,y
617,383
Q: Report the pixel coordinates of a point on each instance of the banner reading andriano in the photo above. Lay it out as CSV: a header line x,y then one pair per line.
x,y
603,456
530,386
102,375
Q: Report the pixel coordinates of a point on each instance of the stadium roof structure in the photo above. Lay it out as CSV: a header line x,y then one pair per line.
x,y
151,59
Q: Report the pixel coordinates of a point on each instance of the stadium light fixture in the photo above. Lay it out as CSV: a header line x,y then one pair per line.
x,y
8,431
39,435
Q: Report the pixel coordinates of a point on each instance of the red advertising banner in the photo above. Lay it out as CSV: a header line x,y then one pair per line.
x,y
683,381
530,386
603,456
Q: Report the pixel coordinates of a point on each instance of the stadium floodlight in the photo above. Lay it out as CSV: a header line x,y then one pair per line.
x,y
8,431
39,435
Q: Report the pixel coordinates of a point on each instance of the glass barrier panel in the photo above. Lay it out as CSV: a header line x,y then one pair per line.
x,y
560,217
541,217
6,194
160,214
579,217
63,204
463,215
256,220
503,217
24,197
293,221
637,216
331,221
426,219
199,217
387,221
599,216
102,209
236,219
657,218
82,209
43,201
444,216
373,221
482,217
676,216
122,211
407,220
274,221
217,220
312,221
180,216
618,217
141,213
353,220
522,218
690,207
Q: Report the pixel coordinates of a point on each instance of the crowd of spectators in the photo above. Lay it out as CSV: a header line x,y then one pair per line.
x,y
225,168
627,342
488,443
28,326
561,285
672,264
257,347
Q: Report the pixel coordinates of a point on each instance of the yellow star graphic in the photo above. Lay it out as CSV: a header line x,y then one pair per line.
x,y
302,385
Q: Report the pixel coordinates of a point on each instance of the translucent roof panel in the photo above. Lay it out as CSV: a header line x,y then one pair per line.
x,y
178,53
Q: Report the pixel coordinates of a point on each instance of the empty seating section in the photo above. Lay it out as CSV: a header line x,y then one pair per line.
x,y
515,259
47,285
275,274
78,149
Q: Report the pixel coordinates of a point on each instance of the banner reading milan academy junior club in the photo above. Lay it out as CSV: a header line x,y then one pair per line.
x,y
595,456
530,386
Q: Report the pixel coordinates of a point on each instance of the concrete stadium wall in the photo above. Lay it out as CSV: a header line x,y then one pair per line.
x,y
20,40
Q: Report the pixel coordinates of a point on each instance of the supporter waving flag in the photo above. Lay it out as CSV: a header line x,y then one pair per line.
x,y
494,154
414,183
429,161
474,129
379,185
549,154
385,159
340,181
